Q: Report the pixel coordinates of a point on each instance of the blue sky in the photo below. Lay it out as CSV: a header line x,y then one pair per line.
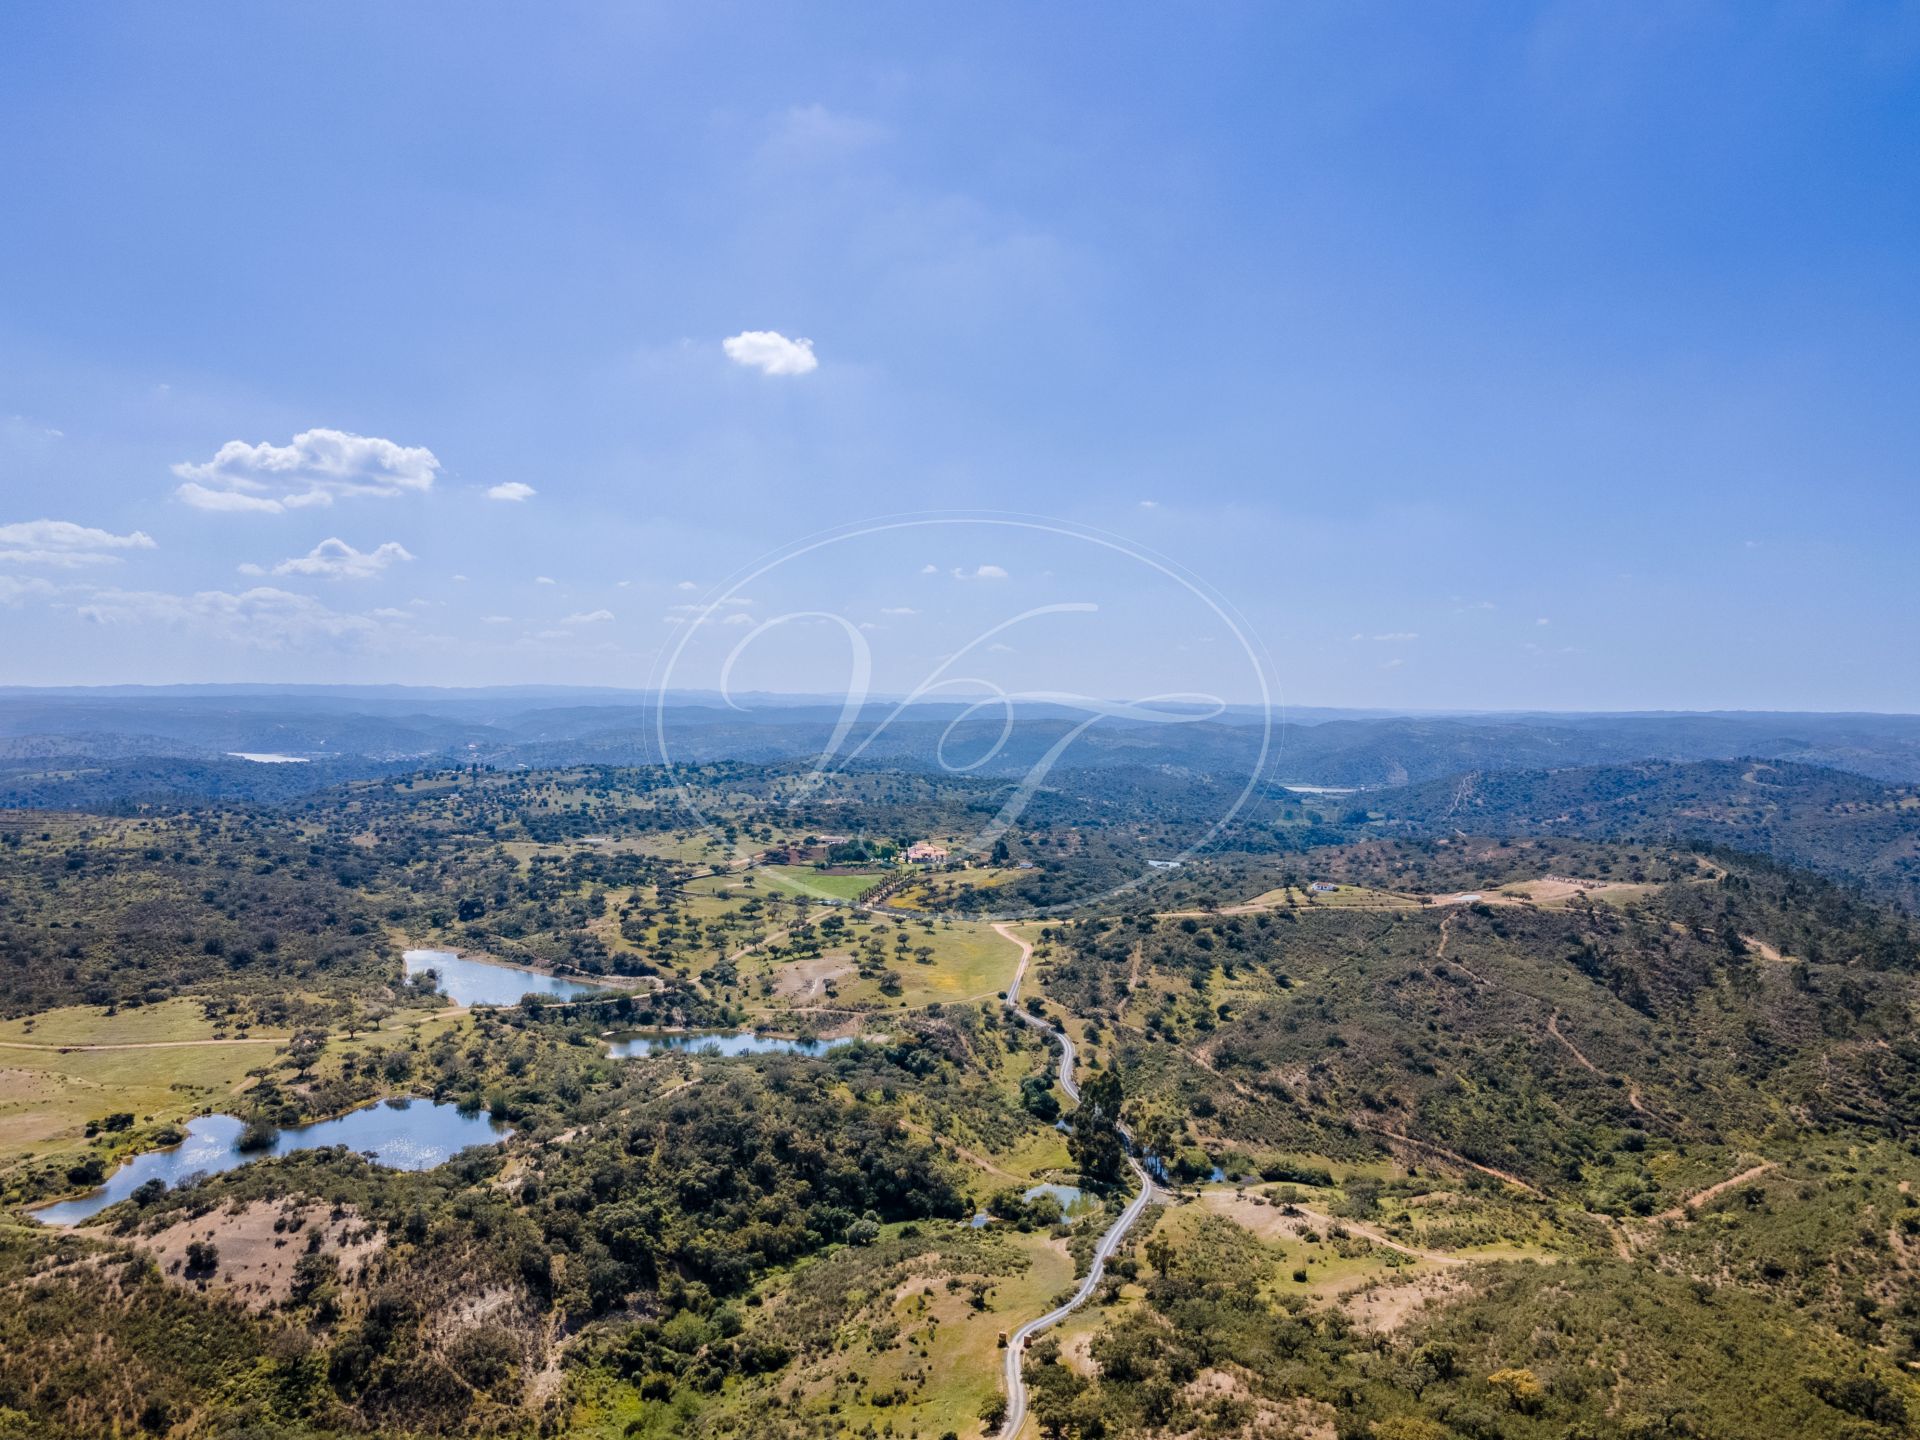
x,y
1474,356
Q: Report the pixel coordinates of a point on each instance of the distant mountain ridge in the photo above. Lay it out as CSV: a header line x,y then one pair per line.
x,y
1825,820
549,727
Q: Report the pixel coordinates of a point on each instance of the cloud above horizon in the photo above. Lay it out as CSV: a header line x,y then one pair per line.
x,y
317,468
62,544
511,490
263,618
335,559
771,353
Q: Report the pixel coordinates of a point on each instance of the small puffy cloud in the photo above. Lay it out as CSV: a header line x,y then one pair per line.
x,y
588,617
1543,620
61,544
815,133
496,619
771,353
929,569
1398,635
686,585
979,572
335,559
317,468
898,610
1149,504
511,490
545,580
689,613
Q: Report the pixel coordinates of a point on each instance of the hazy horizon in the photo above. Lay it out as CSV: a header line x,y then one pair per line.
x,y
1282,710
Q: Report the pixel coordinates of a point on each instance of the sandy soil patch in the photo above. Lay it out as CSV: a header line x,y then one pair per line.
x,y
1298,1419
1385,1308
1078,1355
260,1245
1559,889
807,980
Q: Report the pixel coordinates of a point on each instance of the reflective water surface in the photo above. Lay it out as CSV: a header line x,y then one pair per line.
x,y
718,1042
468,981
401,1134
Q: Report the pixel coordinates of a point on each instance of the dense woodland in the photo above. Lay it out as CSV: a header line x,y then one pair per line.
x,y
1482,1077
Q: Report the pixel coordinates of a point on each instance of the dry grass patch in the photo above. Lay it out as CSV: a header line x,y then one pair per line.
x,y
259,1245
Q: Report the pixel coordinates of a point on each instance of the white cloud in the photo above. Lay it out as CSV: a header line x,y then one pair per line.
x,y
588,617
686,585
771,353
13,589
1149,504
317,468
1397,635
545,580
814,133
1543,621
231,502
929,569
263,618
336,560
898,610
511,490
979,572
61,544
496,619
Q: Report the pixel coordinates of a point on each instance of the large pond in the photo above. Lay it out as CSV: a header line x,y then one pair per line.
x,y
718,1042
400,1134
487,982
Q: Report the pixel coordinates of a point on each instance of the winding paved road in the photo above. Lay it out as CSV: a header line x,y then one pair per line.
x,y
1109,1242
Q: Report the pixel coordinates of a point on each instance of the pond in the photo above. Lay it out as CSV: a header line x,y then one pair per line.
x,y
1073,1200
718,1042
401,1134
467,981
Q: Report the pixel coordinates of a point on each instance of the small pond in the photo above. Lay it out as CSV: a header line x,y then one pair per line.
x,y
400,1134
1073,1200
467,981
718,1042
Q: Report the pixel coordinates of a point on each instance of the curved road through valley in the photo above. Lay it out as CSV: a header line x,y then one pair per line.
x,y
1109,1242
